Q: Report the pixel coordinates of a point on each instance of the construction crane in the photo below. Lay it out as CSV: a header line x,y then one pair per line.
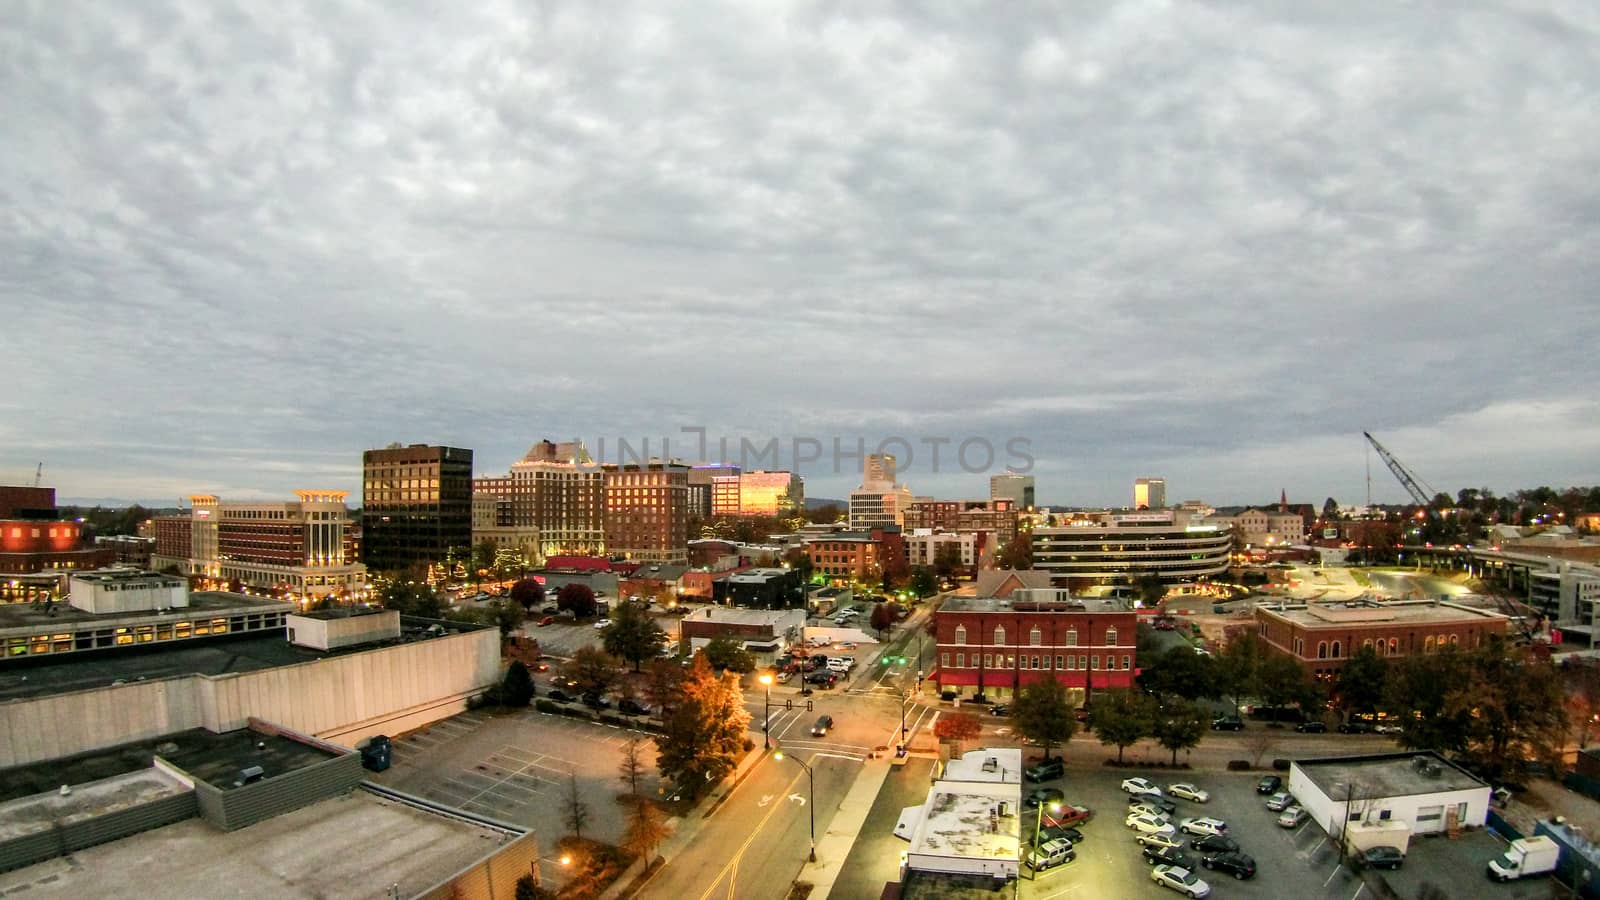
x,y
1407,480
38,475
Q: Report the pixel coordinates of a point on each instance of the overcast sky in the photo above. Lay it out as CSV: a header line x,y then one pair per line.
x,y
1215,242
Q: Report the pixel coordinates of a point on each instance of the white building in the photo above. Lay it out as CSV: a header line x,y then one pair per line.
x,y
1355,794
127,590
972,822
924,544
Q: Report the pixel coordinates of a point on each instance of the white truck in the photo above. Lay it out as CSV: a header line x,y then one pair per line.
x,y
1526,857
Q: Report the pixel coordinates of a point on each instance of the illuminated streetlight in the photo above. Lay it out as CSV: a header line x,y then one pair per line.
x,y
1037,822
766,710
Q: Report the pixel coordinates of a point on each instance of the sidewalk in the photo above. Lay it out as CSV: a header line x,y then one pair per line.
x,y
834,847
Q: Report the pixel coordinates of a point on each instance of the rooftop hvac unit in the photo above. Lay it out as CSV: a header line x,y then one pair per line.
x,y
250,775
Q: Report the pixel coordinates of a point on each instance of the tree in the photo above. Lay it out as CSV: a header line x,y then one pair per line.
x,y
1360,685
631,769
508,614
724,653
1238,668
528,889
1178,725
594,670
574,812
1017,554
646,829
923,583
1259,742
705,733
517,688
412,598
578,599
826,514
663,685
947,559
528,593
1120,718
1042,712
484,554
1330,510
799,561
632,635
1151,589
958,727
882,618
1181,672
1280,681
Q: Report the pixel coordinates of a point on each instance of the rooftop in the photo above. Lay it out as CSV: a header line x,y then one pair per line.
x,y
100,765
1000,765
355,845
129,576
963,819
57,674
741,616
42,811
1387,775
31,615
1019,602
1376,612
217,758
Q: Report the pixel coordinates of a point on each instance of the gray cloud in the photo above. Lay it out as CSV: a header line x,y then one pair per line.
x,y
246,241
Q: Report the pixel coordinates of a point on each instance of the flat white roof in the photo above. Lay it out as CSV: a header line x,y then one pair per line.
x,y
971,821
1001,765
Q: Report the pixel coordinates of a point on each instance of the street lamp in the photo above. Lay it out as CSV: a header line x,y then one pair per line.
x,y
766,710
1037,822
811,804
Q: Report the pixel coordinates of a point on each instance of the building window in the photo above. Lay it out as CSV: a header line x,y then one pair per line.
x,y
1322,649
1453,640
961,660
1072,637
944,658
1094,661
1083,662
1427,644
1394,646
1058,662
1127,661
988,660
1337,648
961,634
1366,644
1111,637
1383,815
1036,664
999,635
1035,637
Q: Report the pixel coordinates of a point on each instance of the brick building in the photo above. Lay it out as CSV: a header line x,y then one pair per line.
x,y
300,547
558,492
1322,636
991,646
647,512
33,537
857,555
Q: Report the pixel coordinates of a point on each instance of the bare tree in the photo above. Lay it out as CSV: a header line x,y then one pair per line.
x,y
632,767
646,830
575,812
1259,742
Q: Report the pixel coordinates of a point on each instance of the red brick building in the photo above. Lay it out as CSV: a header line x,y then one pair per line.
x,y
858,555
1322,636
994,645
33,538
647,512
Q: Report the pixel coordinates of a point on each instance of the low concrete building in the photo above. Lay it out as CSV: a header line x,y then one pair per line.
x,y
760,588
331,629
759,627
1361,793
127,590
971,823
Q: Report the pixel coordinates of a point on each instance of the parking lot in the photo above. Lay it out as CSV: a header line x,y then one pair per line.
x,y
516,768
1298,863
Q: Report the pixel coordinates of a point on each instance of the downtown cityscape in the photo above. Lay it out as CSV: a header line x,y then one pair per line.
x,y
783,451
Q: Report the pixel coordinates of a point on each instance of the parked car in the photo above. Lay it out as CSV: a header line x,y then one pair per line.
x,y
550,610
1311,728
1186,791
1159,839
785,676
633,707
1060,833
1280,801
1203,825
1049,854
1292,817
1155,806
1140,786
823,725
846,645
1388,728
1165,806
1214,843
1227,723
547,620
1239,865
1069,815
1269,784
1170,856
1181,880
1145,823
1043,797
595,701
1356,728
947,695
823,679
1383,857
558,695
1000,710
1045,769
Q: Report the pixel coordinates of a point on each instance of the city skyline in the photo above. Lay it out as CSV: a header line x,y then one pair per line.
x,y
1214,243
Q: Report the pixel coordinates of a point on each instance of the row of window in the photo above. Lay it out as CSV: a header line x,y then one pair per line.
x,y
65,531
1064,663
67,642
1036,636
1390,647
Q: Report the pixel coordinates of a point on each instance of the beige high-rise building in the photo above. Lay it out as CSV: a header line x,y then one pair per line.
x,y
879,501
878,472
1150,493
557,490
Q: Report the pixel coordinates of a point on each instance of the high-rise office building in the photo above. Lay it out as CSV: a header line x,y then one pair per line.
x,y
763,493
558,490
1014,487
879,501
416,505
1150,493
647,512
878,472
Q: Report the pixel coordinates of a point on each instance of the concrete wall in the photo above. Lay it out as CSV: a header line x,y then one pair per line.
x,y
492,878
33,848
233,808
342,699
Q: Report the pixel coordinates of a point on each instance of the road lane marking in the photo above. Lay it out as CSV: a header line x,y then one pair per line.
x,y
731,868
1330,876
